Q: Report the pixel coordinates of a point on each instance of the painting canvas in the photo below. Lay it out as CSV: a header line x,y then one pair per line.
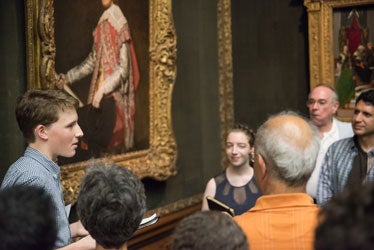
x,y
75,22
60,35
353,31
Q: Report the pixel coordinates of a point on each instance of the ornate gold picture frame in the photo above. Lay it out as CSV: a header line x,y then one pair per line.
x,y
159,159
320,28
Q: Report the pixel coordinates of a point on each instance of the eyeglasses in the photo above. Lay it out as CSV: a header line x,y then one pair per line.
x,y
320,102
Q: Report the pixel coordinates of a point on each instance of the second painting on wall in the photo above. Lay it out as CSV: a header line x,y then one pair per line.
x,y
353,33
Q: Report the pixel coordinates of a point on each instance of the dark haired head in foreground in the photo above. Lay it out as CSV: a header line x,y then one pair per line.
x,y
209,230
347,221
111,204
27,219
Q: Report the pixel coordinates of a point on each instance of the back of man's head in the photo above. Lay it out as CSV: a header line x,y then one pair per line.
x,y
27,219
347,220
41,107
211,230
111,204
289,145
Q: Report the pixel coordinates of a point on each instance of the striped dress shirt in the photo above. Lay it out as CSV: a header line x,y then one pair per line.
x,y
337,167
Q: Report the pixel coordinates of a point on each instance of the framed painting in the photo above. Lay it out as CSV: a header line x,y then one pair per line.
x,y
225,67
341,33
63,34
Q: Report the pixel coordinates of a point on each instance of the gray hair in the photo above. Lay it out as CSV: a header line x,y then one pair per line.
x,y
334,94
289,153
111,204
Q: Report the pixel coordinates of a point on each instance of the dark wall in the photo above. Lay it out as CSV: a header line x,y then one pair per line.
x,y
270,58
270,73
13,79
195,107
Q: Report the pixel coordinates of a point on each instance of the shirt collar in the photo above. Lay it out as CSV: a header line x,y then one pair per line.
x,y
353,147
48,164
114,16
333,130
274,201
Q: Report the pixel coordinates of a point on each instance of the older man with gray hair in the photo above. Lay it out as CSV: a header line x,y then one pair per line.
x,y
323,104
285,216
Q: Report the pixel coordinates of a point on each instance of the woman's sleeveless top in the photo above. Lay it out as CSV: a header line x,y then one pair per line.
x,y
241,199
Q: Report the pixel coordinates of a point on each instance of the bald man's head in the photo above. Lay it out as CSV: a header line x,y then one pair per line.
x,y
322,105
289,145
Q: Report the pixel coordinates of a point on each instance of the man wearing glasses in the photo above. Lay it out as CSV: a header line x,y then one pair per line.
x,y
322,105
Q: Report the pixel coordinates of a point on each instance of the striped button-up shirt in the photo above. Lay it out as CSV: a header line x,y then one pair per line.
x,y
337,167
35,169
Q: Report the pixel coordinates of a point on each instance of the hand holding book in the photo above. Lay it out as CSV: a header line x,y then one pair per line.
x,y
219,206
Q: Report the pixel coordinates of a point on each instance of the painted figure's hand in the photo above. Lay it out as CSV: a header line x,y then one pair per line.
x,y
61,81
97,98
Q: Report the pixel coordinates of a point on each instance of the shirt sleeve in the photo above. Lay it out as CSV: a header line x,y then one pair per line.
x,y
24,179
83,69
120,73
325,187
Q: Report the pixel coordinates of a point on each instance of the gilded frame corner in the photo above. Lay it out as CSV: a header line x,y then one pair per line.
x,y
159,160
320,32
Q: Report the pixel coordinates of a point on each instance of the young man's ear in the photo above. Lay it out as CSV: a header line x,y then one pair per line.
x,y
40,132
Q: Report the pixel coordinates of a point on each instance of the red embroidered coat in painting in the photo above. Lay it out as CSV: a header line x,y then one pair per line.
x,y
114,70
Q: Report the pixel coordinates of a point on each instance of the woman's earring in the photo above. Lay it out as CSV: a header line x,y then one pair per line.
x,y
252,158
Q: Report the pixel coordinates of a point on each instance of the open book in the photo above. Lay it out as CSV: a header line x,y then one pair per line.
x,y
217,205
148,221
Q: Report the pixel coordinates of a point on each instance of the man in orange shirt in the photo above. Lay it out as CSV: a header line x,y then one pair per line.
x,y
285,217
